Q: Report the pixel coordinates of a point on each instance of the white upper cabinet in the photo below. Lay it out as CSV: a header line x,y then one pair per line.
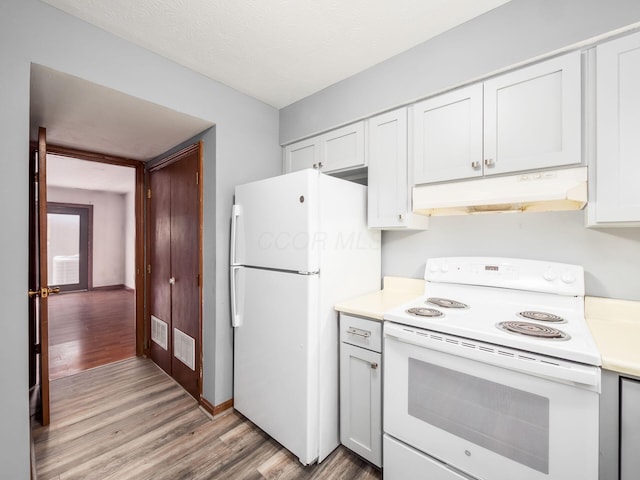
x,y
301,155
615,197
526,119
533,117
339,150
389,203
448,136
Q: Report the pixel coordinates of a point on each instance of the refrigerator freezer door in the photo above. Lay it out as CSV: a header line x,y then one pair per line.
x,y
275,223
276,357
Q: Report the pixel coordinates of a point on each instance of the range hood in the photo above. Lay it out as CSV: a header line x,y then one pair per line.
x,y
547,191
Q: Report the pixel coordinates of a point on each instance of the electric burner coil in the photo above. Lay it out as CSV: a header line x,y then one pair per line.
x,y
533,330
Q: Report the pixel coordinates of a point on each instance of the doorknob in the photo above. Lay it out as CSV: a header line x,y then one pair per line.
x,y
172,281
44,292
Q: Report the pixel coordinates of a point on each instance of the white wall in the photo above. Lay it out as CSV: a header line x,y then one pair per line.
x,y
512,33
109,231
245,148
130,239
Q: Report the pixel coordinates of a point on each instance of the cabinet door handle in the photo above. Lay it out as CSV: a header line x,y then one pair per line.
x,y
320,165
358,332
475,164
374,365
315,165
172,281
489,162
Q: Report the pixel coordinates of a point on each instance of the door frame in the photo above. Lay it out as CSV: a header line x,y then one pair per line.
x,y
172,158
138,167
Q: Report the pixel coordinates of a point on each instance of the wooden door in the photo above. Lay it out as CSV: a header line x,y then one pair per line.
x,y
160,268
175,264
39,289
185,271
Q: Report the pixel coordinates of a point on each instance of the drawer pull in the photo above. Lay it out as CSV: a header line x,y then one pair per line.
x,y
358,332
374,365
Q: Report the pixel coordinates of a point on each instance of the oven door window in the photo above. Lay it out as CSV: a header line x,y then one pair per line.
x,y
510,422
488,421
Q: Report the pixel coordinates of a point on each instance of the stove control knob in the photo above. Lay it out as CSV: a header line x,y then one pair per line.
x,y
444,268
549,275
568,277
433,267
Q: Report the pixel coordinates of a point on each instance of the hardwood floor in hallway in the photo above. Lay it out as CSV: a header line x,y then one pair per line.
x,y
129,420
89,329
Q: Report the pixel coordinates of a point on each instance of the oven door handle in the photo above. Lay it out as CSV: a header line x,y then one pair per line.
x,y
546,367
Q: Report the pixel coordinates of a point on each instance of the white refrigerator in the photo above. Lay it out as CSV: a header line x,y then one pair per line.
x,y
299,244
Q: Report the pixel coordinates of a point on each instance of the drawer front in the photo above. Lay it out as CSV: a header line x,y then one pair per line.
x,y
361,332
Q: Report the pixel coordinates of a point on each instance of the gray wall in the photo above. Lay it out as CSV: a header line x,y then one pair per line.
x,y
246,148
510,34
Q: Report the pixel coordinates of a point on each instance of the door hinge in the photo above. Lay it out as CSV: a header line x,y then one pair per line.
x,y
36,177
197,178
37,349
149,268
148,193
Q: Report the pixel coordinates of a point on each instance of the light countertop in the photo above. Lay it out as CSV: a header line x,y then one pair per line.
x,y
395,292
614,324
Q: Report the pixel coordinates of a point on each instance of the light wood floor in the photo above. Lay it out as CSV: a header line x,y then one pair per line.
x,y
129,420
89,329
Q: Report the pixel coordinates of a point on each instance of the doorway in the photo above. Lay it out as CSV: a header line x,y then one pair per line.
x,y
91,240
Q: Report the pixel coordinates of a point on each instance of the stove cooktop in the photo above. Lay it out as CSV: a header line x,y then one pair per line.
x,y
535,321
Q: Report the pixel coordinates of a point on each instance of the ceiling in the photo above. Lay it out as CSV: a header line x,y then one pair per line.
x,y
278,51
86,116
73,173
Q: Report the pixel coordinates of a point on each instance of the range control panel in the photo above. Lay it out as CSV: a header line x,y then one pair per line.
x,y
514,273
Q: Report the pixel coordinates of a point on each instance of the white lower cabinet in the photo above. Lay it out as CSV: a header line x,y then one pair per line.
x,y
629,429
361,387
619,427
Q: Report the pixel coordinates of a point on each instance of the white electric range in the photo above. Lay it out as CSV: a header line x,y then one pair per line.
x,y
492,374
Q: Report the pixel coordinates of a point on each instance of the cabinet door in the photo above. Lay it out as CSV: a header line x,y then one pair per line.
x,y
630,430
447,133
301,155
343,148
532,117
360,402
617,196
388,203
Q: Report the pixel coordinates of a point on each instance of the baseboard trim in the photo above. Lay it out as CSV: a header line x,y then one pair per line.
x,y
120,286
217,409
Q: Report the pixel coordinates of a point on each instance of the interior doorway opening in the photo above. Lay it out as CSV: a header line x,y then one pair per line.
x,y
91,239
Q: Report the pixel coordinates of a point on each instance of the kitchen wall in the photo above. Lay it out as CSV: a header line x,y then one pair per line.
x,y
109,231
513,33
245,148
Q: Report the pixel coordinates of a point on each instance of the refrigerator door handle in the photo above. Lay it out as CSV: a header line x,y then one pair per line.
x,y
236,318
236,210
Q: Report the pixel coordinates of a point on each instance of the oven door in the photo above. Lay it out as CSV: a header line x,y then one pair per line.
x,y
458,401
